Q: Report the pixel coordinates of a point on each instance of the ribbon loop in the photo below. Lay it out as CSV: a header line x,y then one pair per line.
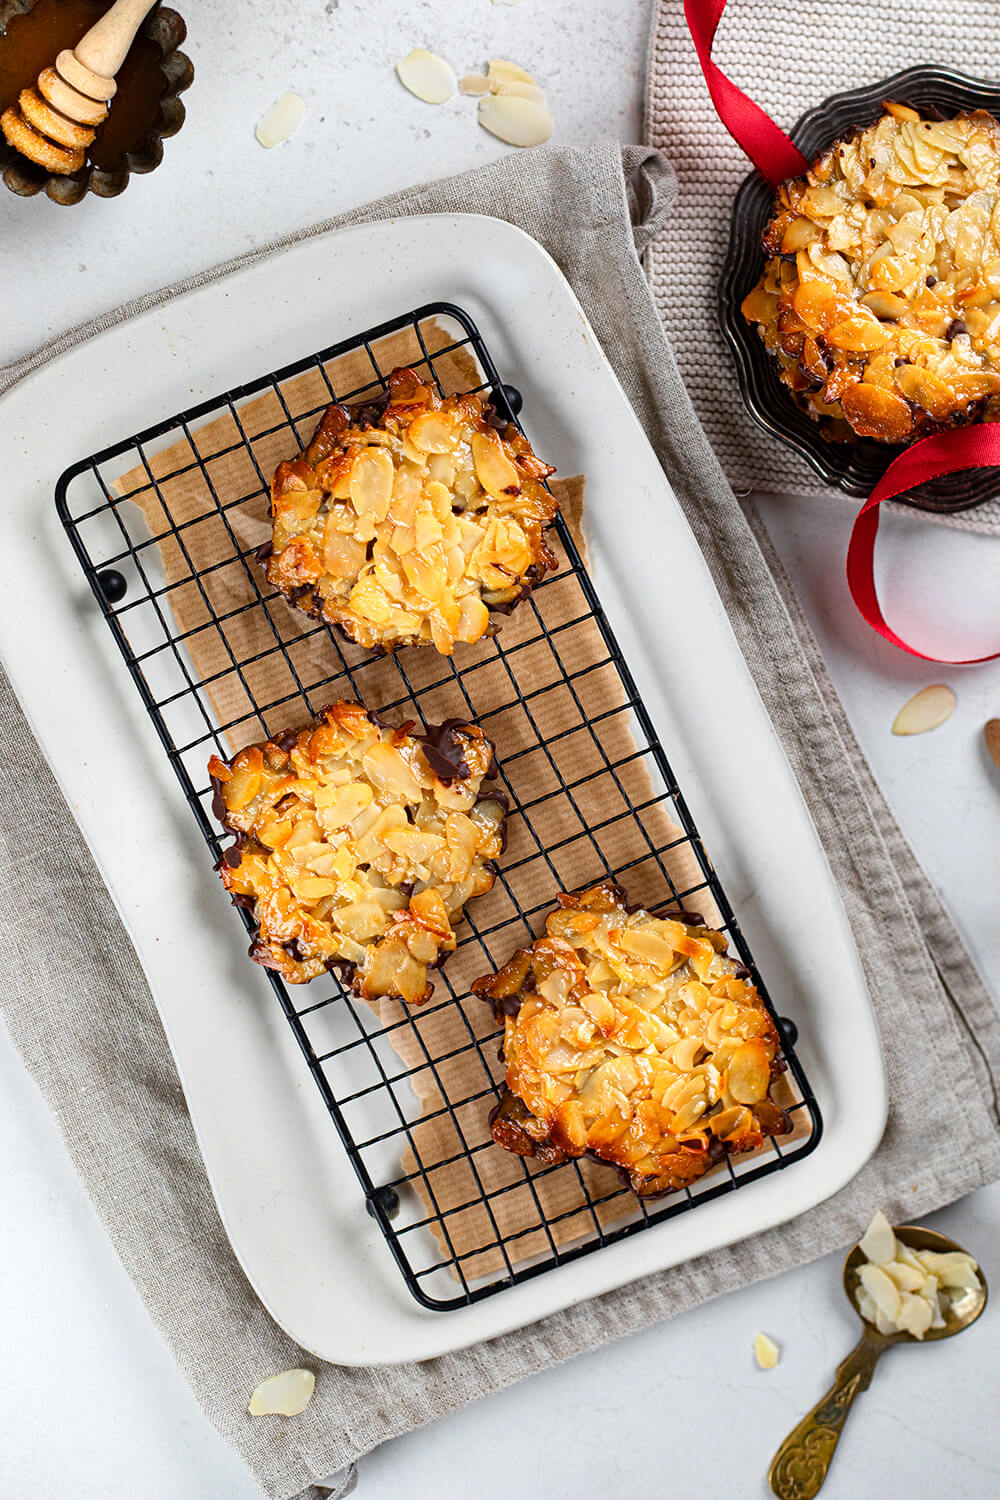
x,y
945,453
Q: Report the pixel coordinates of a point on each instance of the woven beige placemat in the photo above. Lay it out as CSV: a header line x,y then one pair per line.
x,y
80,1011
788,56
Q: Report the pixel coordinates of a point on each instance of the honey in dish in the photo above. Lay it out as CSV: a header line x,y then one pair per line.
x,y
32,42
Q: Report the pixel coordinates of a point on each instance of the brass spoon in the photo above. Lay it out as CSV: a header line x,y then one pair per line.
x,y
800,1465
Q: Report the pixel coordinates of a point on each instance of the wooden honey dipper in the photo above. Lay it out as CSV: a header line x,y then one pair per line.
x,y
53,123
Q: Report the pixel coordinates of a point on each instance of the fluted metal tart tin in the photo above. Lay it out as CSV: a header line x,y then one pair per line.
x,y
854,466
166,29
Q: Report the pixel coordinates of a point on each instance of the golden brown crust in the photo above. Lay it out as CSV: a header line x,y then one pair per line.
x,y
408,522
358,846
880,299
635,1039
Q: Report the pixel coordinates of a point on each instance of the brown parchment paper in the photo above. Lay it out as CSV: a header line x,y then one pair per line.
x,y
553,705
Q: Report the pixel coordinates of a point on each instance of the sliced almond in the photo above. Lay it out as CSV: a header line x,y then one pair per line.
x,y
340,805
371,480
519,122
817,303
905,1277
749,1072
766,1351
873,412
928,709
884,1324
991,734
866,1306
281,120
882,1290
427,76
883,304
962,1276
858,335
926,390
502,71
649,947
283,1395
475,84
519,90
799,235
915,1315
494,470
878,1243
901,111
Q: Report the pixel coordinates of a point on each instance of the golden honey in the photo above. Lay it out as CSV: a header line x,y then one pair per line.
x,y
32,41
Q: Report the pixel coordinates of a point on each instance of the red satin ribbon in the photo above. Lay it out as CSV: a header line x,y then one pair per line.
x,y
771,151
754,132
945,453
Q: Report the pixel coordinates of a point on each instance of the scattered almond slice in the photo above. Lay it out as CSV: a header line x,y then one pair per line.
x,y
519,90
475,84
991,734
928,709
766,1351
519,122
502,71
283,1395
280,120
427,76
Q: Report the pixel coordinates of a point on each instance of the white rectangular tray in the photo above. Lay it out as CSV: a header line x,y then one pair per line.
x,y
287,1194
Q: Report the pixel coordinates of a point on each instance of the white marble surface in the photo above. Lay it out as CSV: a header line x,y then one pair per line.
x,y
92,1403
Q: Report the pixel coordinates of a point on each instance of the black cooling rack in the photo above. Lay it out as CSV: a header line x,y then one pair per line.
x,y
409,1092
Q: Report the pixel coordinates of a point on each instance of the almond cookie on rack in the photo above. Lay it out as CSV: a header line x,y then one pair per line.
x,y
412,520
358,846
635,1039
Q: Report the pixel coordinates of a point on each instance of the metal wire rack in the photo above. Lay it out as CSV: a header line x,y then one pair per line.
x,y
165,525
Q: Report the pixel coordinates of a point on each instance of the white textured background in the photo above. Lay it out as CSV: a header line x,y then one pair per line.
x,y
92,1407
217,193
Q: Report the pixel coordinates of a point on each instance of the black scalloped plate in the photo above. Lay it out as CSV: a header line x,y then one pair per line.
x,y
854,467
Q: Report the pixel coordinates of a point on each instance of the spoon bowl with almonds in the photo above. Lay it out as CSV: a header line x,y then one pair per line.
x,y
908,1285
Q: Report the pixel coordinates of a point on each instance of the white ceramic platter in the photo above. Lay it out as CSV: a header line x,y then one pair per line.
x,y
286,1191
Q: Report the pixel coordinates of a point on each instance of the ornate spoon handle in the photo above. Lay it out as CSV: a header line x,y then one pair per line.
x,y
800,1465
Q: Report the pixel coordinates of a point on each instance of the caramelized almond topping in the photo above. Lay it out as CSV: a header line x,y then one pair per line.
x,y
633,1038
880,300
408,523
358,846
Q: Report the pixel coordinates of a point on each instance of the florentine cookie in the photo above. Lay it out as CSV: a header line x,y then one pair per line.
x,y
358,845
635,1039
408,521
880,298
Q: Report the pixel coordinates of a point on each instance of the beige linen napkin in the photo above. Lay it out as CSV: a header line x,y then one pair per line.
x,y
82,1016
788,56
